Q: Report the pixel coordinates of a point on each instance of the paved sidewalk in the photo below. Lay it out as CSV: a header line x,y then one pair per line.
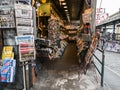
x,y
112,67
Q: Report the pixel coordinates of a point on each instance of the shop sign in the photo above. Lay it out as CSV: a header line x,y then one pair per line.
x,y
101,17
86,18
100,10
44,10
43,1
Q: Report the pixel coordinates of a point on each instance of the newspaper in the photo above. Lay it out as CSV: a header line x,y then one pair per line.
x,y
6,10
21,6
24,22
26,52
23,11
26,39
24,1
21,30
6,2
7,17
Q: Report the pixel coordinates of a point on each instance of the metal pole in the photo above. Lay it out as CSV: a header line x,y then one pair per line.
x,y
102,71
24,79
114,27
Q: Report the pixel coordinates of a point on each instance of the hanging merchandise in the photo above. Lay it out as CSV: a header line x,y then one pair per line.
x,y
53,24
53,31
43,48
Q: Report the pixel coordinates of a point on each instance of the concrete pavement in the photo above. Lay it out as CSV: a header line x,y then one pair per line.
x,y
112,66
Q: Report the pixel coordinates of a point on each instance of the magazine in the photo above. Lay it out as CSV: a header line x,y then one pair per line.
x,y
7,52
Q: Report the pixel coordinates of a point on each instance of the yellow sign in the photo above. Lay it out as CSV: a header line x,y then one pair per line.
x,y
43,1
44,10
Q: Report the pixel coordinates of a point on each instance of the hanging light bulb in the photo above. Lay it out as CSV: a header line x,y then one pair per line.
x,y
63,3
61,0
65,6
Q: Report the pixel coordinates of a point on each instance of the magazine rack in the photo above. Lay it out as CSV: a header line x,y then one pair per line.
x,y
16,21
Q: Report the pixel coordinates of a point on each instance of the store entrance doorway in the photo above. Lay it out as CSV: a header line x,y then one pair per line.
x,y
68,59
